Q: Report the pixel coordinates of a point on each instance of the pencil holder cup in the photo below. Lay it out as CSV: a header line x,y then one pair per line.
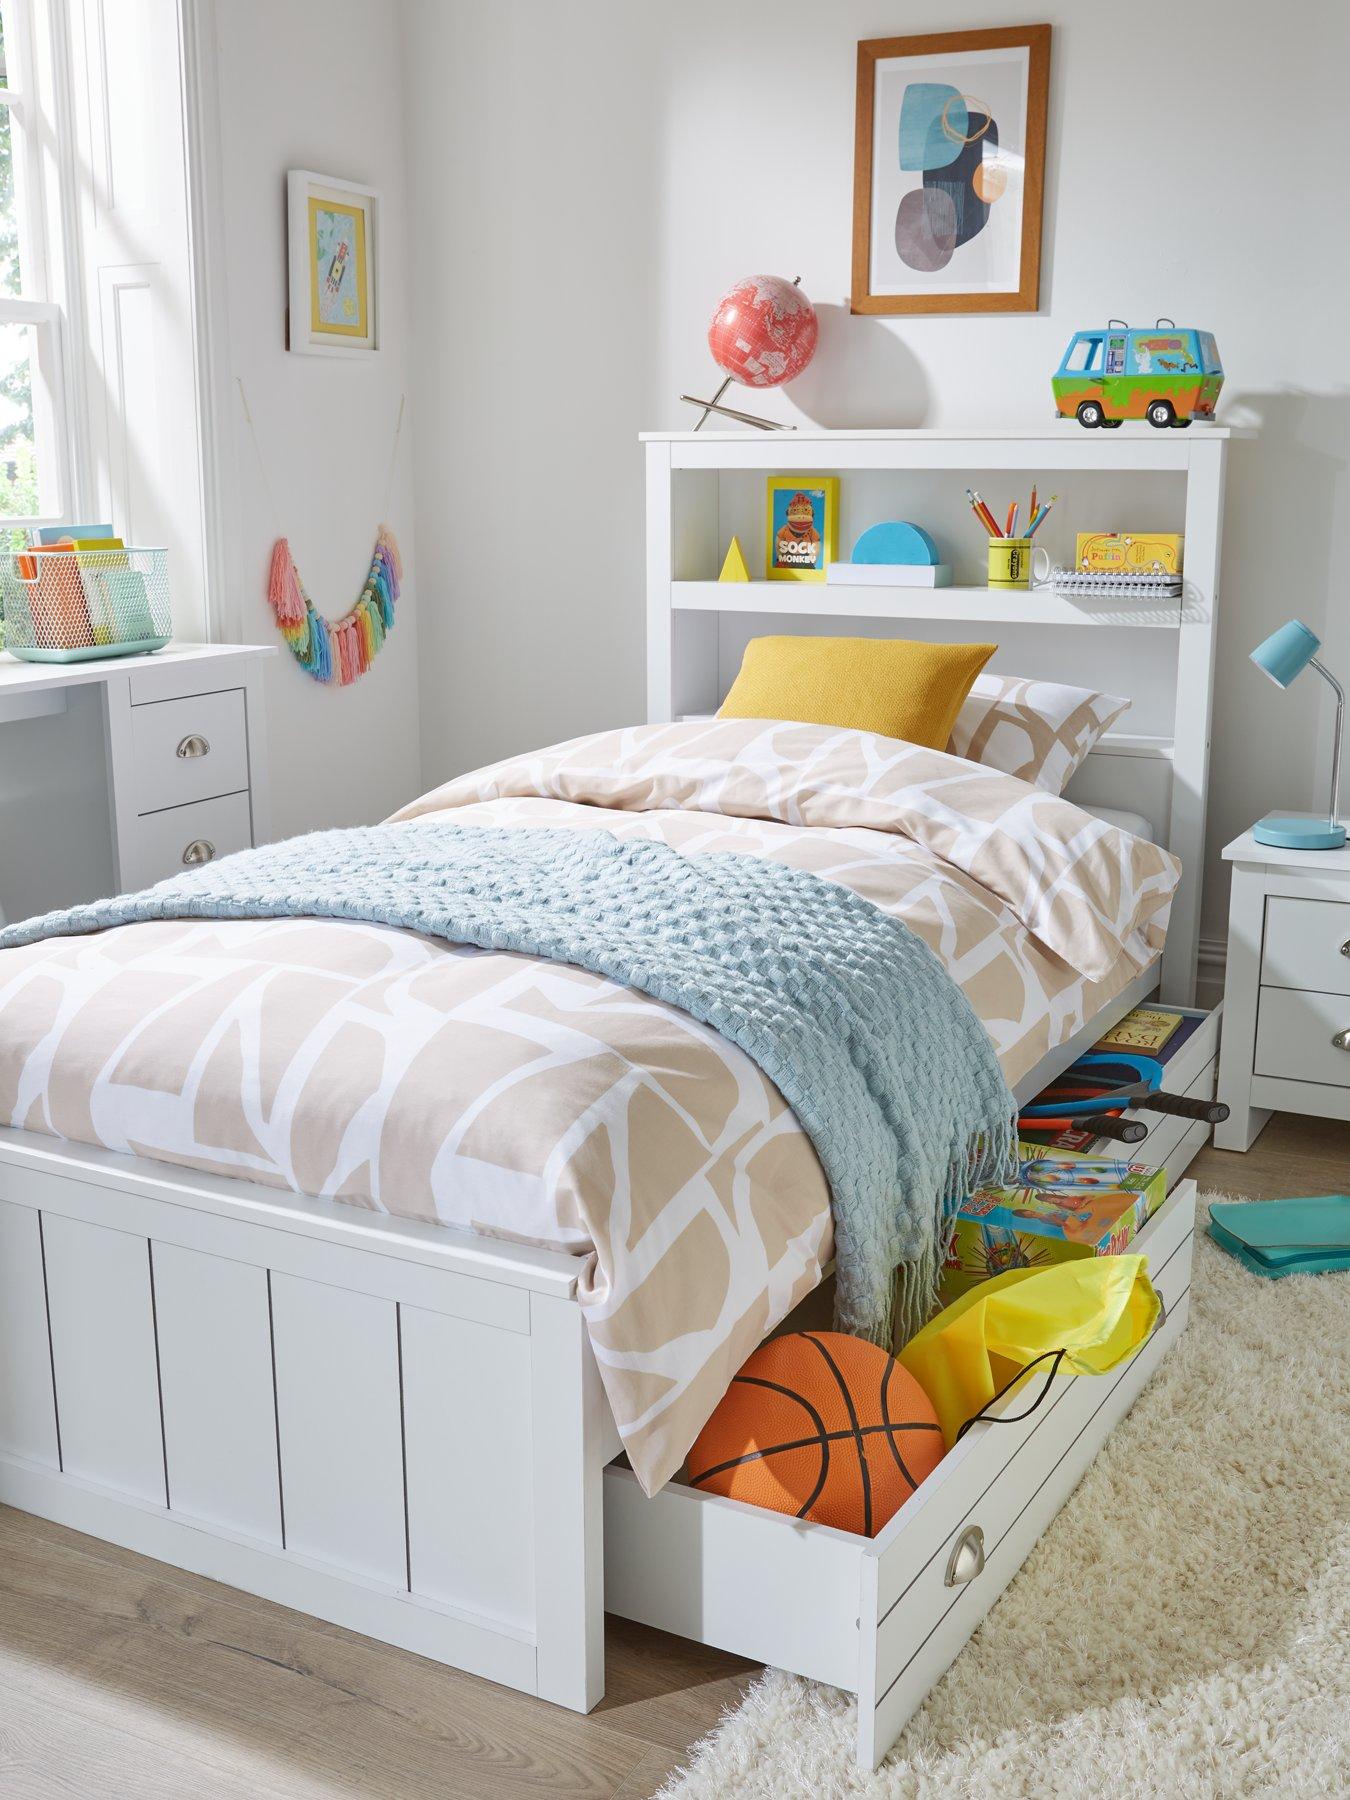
x,y
1009,562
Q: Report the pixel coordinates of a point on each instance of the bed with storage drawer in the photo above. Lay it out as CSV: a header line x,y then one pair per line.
x,y
396,1413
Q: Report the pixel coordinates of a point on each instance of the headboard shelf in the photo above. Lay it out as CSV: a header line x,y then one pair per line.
x,y
702,487
1039,606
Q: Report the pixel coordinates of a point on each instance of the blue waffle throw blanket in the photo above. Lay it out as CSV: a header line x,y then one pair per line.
x,y
850,1014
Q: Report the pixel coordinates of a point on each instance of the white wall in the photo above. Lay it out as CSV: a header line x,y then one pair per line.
x,y
588,178
316,84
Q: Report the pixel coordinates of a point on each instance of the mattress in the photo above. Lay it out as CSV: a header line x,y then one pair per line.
x,y
538,1103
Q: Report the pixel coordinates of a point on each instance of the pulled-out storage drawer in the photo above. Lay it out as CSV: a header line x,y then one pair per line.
x,y
190,749
885,1616
1306,945
165,843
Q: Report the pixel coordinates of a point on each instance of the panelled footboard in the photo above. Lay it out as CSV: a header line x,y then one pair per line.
x,y
396,1429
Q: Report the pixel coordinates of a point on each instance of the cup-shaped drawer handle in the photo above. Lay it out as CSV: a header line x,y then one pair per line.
x,y
1345,948
200,850
193,745
1341,1041
967,1558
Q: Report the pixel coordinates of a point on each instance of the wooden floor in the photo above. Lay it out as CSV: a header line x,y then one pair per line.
x,y
122,1677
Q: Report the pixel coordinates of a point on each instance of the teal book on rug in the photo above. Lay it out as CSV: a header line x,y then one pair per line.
x,y
1285,1237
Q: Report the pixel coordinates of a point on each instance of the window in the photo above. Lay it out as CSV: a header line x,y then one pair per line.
x,y
35,475
1083,356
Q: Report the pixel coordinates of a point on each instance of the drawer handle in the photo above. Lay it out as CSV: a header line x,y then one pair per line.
x,y
1345,948
193,745
200,850
1341,1041
967,1558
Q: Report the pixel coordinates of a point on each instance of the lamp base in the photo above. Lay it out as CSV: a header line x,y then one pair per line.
x,y
1299,832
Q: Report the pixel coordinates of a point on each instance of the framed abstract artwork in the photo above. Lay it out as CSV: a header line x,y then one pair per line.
x,y
948,171
333,265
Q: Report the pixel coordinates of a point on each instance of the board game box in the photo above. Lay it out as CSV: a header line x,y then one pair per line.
x,y
1063,1206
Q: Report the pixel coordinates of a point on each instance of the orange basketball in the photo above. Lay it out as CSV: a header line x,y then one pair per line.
x,y
822,1425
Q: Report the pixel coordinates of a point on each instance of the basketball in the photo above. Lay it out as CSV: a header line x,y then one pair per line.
x,y
824,1426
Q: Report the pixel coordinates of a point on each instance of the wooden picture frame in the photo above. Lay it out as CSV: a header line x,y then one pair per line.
x,y
935,224
337,314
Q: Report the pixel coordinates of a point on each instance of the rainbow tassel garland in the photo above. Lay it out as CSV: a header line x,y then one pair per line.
x,y
338,653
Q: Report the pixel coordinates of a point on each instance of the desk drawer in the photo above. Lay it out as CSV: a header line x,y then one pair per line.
x,y
1294,1032
190,749
156,845
1307,945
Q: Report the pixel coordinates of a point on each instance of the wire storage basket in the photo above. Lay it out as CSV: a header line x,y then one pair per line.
x,y
62,604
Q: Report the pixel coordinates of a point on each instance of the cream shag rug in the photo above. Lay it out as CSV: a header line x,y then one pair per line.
x,y
1183,1628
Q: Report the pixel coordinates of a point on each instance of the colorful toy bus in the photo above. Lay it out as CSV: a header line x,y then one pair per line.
x,y
1167,374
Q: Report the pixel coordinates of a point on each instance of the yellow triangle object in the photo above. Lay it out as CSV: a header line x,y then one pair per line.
x,y
735,567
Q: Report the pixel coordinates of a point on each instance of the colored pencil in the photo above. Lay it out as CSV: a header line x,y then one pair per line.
x,y
991,523
1031,504
1012,520
1035,523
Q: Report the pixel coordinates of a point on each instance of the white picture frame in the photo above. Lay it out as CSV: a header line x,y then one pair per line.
x,y
333,272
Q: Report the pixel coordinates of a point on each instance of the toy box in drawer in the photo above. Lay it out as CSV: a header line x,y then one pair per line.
x,y
1064,1206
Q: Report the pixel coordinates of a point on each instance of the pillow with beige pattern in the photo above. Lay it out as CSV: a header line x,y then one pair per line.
x,y
1039,731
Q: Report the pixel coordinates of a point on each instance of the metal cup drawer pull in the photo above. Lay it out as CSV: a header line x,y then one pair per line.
x,y
200,850
1345,948
193,745
1341,1041
967,1558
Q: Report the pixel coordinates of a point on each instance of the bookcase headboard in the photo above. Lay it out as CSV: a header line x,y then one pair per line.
x,y
705,487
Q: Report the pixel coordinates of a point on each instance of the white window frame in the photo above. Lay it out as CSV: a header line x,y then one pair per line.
x,y
36,97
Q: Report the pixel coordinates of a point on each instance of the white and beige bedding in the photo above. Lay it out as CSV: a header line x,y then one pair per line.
x,y
534,1101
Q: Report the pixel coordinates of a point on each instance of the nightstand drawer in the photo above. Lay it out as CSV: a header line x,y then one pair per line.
x,y
1294,1032
168,843
191,749
1307,945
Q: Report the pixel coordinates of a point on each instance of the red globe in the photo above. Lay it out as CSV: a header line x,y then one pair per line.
x,y
763,332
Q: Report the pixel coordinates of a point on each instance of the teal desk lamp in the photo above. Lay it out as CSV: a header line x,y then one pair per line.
x,y
1285,654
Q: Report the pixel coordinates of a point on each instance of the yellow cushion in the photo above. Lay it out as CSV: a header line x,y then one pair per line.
x,y
892,686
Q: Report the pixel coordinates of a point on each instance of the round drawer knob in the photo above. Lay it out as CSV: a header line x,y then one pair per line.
x,y
200,850
967,1558
193,745
1341,1041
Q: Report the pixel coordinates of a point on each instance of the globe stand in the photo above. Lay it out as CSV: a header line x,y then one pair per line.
x,y
730,412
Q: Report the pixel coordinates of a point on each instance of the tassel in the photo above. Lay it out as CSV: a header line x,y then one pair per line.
x,y
337,654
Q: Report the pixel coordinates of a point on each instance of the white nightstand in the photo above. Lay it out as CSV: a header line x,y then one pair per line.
x,y
1286,1015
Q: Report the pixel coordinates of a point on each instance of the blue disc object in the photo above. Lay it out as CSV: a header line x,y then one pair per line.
x,y
896,541
1299,834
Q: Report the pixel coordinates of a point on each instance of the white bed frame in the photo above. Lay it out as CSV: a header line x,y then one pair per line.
x,y
401,1428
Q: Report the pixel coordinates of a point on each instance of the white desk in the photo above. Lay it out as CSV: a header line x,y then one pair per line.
x,y
186,748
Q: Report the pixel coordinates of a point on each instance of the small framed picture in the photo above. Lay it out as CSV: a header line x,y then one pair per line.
x,y
801,526
332,239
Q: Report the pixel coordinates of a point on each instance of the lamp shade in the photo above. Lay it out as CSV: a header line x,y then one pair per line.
x,y
1286,652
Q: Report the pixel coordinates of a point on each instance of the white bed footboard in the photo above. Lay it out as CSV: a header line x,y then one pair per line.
x,y
394,1427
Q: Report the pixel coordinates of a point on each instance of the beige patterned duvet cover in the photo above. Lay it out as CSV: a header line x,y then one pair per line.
x,y
536,1102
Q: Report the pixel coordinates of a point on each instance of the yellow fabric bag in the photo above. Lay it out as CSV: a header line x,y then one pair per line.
x,y
1079,1318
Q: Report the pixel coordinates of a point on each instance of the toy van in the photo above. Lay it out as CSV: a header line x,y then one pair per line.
x,y
1167,374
